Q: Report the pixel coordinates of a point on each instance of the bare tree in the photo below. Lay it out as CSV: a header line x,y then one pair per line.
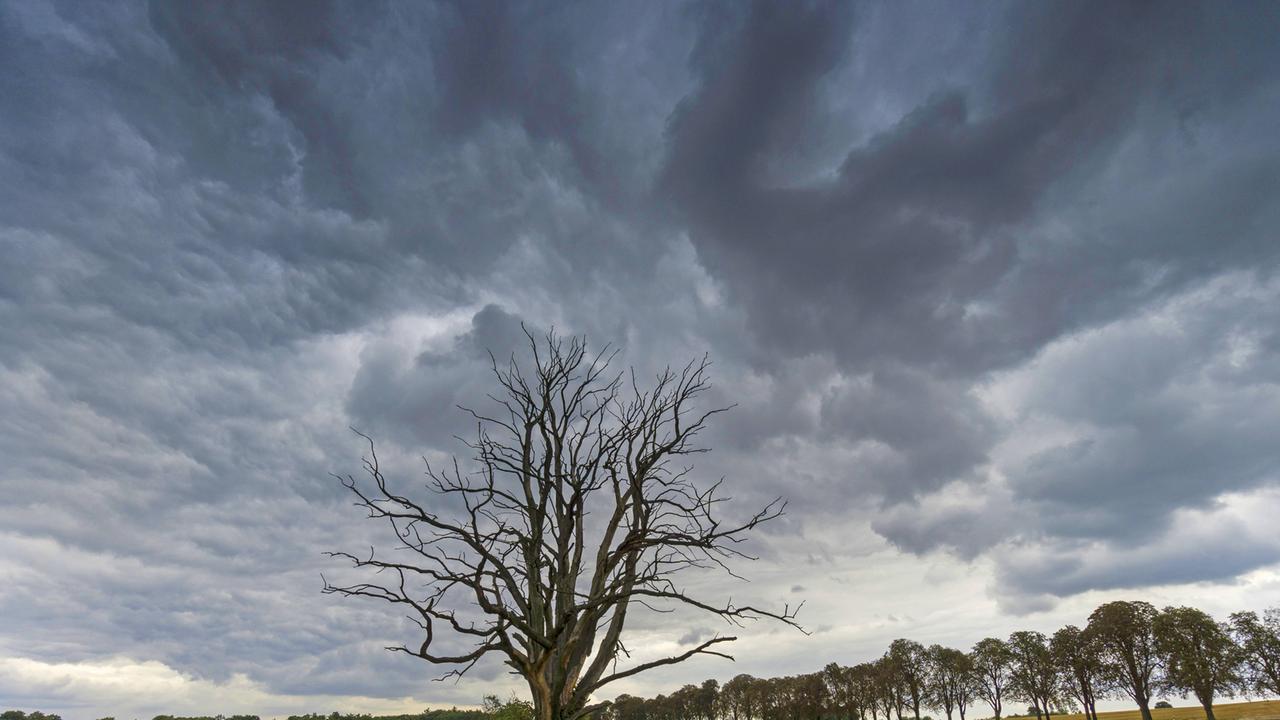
x,y
578,509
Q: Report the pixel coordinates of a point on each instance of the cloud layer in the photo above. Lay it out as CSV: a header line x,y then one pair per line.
x,y
992,287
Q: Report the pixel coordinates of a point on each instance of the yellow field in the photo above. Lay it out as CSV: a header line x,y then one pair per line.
x,y
1258,710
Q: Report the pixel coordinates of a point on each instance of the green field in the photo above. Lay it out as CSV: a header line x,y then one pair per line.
x,y
1258,710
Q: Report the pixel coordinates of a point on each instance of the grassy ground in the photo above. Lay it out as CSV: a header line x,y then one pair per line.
x,y
1258,710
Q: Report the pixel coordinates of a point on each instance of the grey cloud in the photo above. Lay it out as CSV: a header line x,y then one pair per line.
x,y
413,397
1168,411
231,231
936,432
1175,418
279,52
1194,553
967,525
935,246
695,635
909,253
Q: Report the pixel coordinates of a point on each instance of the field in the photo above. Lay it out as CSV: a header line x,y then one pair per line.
x,y
1259,710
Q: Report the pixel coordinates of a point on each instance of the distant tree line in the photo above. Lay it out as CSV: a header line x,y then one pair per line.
x,y
1126,650
450,714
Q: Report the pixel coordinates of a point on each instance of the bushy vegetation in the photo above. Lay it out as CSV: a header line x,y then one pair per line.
x,y
450,714
37,715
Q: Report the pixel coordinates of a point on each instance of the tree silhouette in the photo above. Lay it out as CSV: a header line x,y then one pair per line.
x,y
578,509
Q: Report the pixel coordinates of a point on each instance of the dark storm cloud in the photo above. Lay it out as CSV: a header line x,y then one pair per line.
x,y
973,231
910,251
928,449
208,213
951,263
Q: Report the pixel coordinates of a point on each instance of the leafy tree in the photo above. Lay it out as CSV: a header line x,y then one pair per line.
x,y
737,698
683,701
1076,653
1034,672
950,680
797,697
705,700
888,691
1198,653
768,698
33,715
1259,641
910,663
992,666
513,709
841,691
1163,705
1125,634
580,507
628,707
862,678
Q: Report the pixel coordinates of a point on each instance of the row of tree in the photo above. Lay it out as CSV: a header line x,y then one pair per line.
x,y
1127,649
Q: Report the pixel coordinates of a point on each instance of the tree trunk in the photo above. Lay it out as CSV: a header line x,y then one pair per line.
x,y
1144,706
1208,710
545,705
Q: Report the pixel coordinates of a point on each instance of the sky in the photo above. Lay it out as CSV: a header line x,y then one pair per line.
x,y
992,285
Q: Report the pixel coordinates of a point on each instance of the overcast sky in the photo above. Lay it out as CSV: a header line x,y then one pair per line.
x,y
993,286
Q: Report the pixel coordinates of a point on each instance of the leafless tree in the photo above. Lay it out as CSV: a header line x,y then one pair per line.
x,y
580,506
